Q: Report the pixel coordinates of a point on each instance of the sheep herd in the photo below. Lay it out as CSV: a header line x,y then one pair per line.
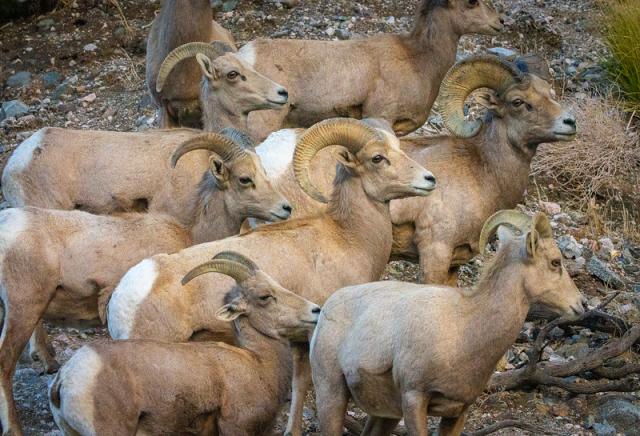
x,y
281,182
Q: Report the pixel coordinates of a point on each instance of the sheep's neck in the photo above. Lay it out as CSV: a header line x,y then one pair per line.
x,y
365,223
434,42
195,13
216,117
211,219
272,354
506,163
498,308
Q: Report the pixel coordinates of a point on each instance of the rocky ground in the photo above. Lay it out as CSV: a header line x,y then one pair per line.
x,y
82,66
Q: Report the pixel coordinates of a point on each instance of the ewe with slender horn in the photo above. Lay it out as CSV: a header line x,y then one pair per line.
x,y
464,78
349,133
189,50
221,145
222,264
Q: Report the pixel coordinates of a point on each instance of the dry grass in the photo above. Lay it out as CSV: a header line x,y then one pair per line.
x,y
599,171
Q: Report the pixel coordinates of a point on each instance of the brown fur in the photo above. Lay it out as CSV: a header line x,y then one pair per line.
x,y
164,388
63,262
405,350
179,22
395,77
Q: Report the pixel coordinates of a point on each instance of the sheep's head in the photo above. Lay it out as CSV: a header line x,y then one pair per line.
x,y
373,154
269,308
248,192
531,243
238,88
524,101
475,16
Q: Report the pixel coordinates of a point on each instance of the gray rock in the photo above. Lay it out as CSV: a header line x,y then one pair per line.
x,y
569,247
621,414
60,90
577,350
51,79
603,429
46,23
13,109
343,34
21,78
606,247
601,270
229,5
502,52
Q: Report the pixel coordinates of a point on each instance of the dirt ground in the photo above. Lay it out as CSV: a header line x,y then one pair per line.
x,y
86,65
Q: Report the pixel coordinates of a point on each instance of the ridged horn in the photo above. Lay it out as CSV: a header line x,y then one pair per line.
x,y
234,256
239,136
188,50
235,270
465,77
509,217
224,147
349,133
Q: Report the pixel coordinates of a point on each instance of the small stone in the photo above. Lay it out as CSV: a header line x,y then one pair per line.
x,y
569,247
89,98
19,79
46,23
330,31
51,79
13,109
229,5
603,429
343,34
61,89
563,218
502,52
598,268
620,414
391,20
550,208
580,262
606,247
90,47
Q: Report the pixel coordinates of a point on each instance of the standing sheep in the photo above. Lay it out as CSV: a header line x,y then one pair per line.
x,y
406,350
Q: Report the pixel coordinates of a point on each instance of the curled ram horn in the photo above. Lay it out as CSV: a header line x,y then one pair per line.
x,y
349,133
191,49
237,271
234,256
223,146
510,217
465,77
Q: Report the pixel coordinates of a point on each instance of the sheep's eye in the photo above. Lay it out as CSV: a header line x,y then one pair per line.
x,y
265,297
517,102
232,75
556,263
245,180
377,158
473,2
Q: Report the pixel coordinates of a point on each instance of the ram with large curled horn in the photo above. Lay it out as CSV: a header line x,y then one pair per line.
x,y
230,89
484,165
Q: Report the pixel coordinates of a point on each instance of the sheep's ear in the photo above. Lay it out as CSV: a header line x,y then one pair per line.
x,y
231,311
346,158
206,66
533,240
490,101
219,170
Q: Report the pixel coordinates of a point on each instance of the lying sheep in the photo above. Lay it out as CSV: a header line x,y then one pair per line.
x,y
308,256
483,168
136,387
61,265
406,350
106,172
389,76
177,23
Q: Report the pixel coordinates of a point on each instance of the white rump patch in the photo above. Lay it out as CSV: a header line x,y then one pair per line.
x,y
133,288
248,54
18,161
276,152
78,377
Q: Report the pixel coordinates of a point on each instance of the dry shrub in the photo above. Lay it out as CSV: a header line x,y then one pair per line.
x,y
600,168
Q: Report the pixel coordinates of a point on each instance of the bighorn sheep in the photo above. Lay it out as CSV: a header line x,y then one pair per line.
x,y
394,77
407,350
113,388
61,265
177,23
349,243
483,168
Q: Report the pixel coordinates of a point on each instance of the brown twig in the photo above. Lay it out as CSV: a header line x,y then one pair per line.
x,y
508,423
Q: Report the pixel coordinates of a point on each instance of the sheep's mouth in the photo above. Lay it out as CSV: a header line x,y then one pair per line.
x,y
496,28
423,190
280,217
277,103
567,135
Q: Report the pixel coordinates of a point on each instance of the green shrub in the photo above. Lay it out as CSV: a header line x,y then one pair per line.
x,y
623,38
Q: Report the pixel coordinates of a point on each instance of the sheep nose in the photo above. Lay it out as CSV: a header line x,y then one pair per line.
x,y
502,20
287,207
570,121
283,93
315,309
430,178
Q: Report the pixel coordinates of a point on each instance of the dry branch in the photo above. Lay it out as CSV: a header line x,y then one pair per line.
x,y
508,423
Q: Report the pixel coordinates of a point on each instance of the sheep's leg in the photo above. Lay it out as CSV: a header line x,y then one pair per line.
x,y
414,409
40,349
377,426
435,260
300,386
453,426
20,319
